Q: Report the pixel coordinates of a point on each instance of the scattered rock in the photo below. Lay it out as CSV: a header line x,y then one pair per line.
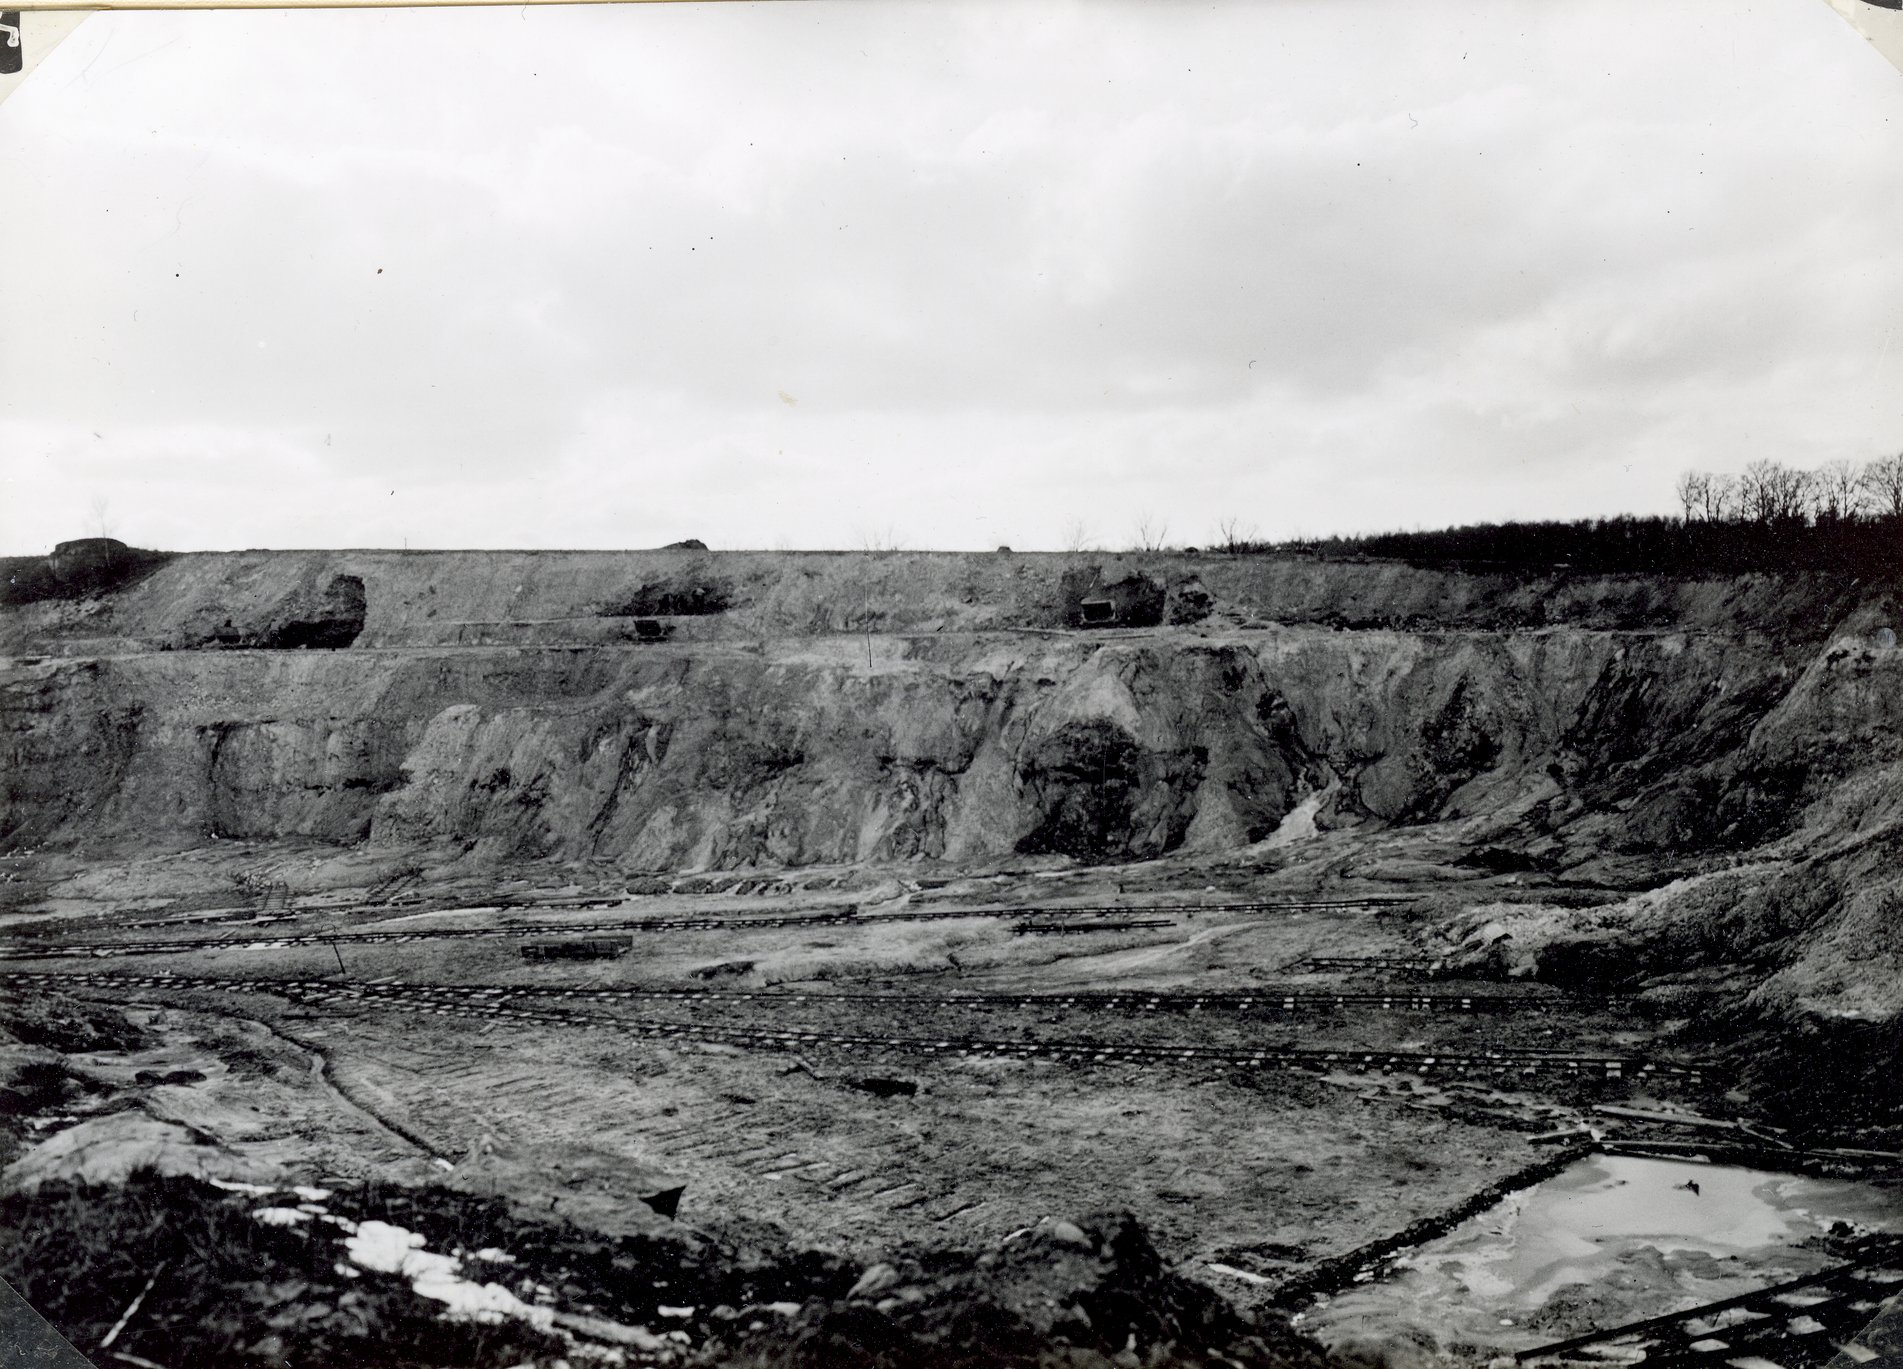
x,y
1040,1301
885,1088
151,1078
1188,602
874,1281
1069,1233
724,969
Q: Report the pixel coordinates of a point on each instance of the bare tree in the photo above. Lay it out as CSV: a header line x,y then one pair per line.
x,y
1882,484
1791,492
100,525
1771,492
1835,491
1754,500
1691,489
1720,498
1233,535
1077,536
881,539
1150,533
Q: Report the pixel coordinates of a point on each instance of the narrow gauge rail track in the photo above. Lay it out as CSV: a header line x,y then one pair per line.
x,y
401,902
19,950
240,916
1266,1000
490,1004
1130,909
1798,1323
23,949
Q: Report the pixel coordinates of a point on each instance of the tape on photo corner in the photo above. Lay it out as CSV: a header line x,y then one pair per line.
x,y
1881,21
26,36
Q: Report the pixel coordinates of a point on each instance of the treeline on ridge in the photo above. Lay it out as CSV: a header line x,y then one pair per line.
x,y
1839,518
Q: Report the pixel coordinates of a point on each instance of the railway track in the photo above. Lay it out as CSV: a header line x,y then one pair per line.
x,y
25,949
1796,1325
495,1004
1266,1000
69,949
1130,909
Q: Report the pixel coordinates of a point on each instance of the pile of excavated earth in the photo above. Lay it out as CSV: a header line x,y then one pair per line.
x,y
697,957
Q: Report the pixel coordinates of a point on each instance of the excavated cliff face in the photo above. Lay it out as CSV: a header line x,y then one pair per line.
x,y
956,748
1794,776
827,708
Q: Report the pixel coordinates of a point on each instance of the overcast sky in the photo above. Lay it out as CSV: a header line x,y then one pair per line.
x,y
946,274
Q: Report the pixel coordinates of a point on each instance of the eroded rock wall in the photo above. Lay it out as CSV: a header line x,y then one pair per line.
x,y
960,749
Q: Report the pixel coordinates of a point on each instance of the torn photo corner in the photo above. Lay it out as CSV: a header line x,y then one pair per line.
x,y
1880,21
26,39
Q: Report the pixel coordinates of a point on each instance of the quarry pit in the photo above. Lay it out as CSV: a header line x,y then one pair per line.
x,y
847,913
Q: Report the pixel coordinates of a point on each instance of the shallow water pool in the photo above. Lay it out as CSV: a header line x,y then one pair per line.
x,y
1609,1240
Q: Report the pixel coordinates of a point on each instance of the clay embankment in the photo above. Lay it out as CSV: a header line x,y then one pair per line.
x,y
956,749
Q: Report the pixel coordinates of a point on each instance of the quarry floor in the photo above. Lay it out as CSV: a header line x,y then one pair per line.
x,y
860,1135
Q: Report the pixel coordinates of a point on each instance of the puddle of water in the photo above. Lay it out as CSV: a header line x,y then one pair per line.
x,y
1610,1240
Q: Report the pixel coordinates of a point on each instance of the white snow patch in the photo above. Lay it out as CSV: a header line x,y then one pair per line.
x,y
233,1186
1242,1274
280,1216
393,1250
1298,824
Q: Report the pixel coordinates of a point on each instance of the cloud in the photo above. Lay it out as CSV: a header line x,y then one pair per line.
x,y
546,274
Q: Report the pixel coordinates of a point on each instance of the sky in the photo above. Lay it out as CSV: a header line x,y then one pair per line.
x,y
1026,272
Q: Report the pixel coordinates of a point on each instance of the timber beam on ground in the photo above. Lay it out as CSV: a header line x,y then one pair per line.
x,y
1135,924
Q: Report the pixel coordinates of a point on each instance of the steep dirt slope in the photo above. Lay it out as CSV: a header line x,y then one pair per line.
x,y
965,749
1800,924
1579,715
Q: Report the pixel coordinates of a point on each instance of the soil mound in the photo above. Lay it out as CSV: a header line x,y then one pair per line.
x,y
247,1274
1080,1294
